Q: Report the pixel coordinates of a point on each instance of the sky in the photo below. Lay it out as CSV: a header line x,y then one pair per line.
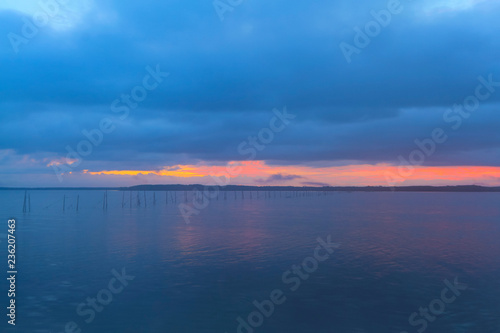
x,y
305,93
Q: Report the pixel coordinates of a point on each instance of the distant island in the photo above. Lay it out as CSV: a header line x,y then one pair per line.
x,y
178,187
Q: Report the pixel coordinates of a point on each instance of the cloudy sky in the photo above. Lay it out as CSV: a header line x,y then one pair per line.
x,y
110,93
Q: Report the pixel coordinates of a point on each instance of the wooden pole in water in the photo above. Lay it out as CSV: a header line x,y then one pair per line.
x,y
138,199
123,199
24,203
77,201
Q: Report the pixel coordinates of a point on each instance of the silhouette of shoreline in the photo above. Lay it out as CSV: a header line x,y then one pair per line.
x,y
178,187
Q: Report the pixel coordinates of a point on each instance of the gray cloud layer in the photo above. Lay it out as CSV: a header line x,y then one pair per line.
x,y
226,77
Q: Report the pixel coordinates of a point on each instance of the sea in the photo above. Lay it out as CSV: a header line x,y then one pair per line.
x,y
297,262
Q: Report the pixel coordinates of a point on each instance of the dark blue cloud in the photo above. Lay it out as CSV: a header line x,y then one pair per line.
x,y
226,77
278,178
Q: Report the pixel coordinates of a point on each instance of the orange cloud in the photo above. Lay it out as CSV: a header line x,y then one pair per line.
x,y
253,172
183,172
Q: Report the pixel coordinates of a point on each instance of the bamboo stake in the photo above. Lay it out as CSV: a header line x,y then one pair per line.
x,y
24,203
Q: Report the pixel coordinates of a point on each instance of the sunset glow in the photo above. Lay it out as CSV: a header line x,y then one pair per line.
x,y
260,173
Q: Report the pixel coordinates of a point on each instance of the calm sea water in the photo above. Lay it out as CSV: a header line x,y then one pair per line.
x,y
395,252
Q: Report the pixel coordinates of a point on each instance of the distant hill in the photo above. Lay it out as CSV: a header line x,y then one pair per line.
x,y
459,188
178,187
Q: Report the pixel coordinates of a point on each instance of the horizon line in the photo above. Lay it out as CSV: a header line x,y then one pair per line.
x,y
164,187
